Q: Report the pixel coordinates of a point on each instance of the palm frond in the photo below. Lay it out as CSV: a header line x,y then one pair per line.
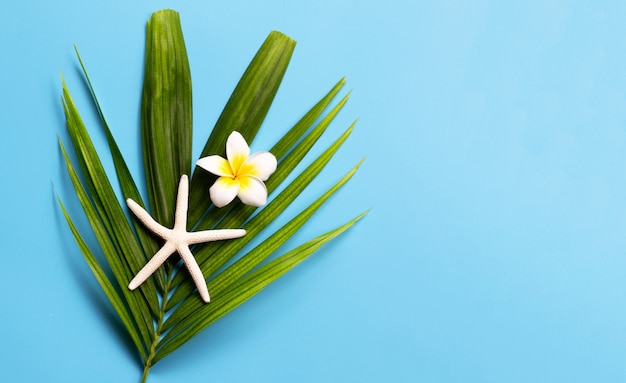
x,y
245,110
165,113
232,277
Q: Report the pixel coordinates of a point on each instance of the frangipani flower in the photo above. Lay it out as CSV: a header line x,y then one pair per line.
x,y
240,175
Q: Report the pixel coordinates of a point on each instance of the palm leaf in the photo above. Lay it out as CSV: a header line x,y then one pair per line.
x,y
165,113
245,110
127,184
224,251
125,246
242,290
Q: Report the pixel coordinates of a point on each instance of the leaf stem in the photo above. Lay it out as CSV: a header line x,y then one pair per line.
x,y
146,369
159,326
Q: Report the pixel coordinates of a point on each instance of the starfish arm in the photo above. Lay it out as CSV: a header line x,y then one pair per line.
x,y
196,273
213,235
180,216
145,218
150,267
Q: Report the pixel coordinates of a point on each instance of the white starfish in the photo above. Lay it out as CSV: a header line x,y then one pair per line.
x,y
178,239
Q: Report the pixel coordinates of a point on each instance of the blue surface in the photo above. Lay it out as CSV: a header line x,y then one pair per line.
x,y
495,135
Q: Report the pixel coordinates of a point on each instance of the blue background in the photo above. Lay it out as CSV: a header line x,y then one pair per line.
x,y
495,136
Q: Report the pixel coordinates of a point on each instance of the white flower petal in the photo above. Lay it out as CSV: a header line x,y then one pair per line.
x,y
260,165
252,191
237,150
223,191
216,165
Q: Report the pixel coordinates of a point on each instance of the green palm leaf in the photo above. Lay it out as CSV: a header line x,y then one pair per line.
x,y
245,110
166,115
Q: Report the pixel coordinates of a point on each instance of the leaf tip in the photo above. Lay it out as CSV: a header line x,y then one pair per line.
x,y
361,161
361,216
283,38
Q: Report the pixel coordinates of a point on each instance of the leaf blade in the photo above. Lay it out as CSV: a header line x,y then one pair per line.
x,y
125,179
221,252
289,150
166,113
116,301
237,214
244,112
246,289
105,201
138,308
257,255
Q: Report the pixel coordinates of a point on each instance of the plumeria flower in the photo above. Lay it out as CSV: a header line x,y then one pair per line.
x,y
241,174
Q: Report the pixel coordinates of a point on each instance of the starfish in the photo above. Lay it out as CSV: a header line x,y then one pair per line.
x,y
178,240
